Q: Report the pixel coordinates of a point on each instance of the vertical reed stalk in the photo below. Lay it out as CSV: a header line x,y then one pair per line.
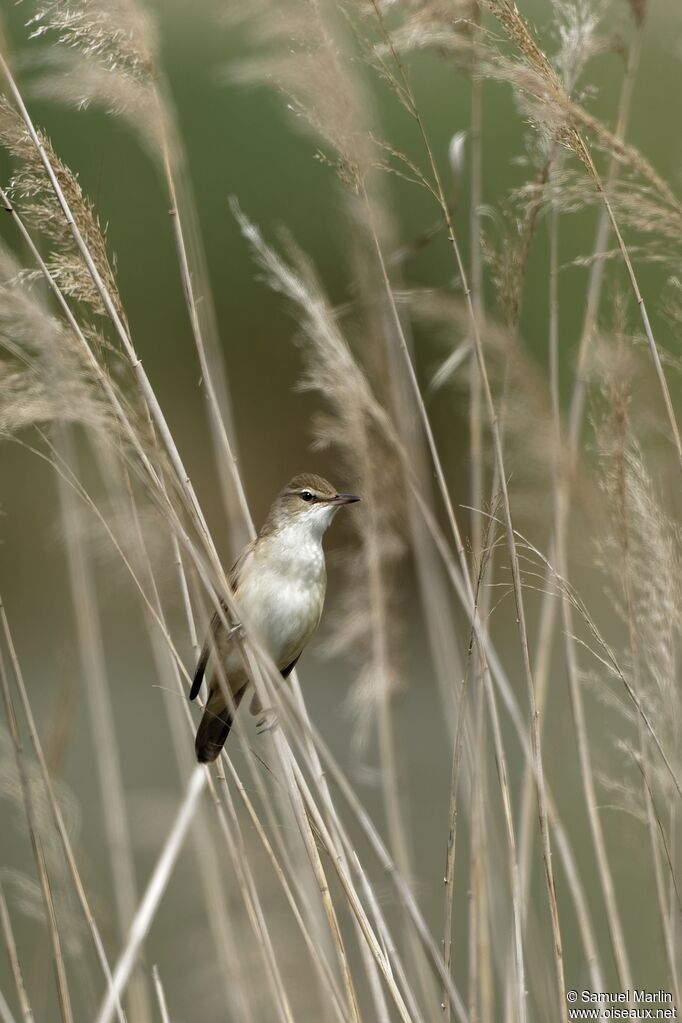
x,y
15,966
105,746
63,995
153,895
54,805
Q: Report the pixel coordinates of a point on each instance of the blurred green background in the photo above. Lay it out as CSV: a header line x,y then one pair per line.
x,y
241,142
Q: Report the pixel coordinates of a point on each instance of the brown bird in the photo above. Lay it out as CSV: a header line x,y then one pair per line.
x,y
279,582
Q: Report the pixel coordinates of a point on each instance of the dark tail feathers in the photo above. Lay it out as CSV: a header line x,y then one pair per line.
x,y
212,734
215,726
199,673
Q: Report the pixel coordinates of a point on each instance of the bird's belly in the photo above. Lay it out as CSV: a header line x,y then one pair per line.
x,y
282,613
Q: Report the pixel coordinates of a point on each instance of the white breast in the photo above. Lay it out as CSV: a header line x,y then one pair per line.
x,y
281,593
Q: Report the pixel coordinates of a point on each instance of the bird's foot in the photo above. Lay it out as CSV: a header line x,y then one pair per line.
x,y
267,720
236,630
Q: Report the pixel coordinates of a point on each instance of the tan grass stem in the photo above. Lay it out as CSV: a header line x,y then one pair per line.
x,y
98,699
54,804
63,995
160,995
15,965
154,893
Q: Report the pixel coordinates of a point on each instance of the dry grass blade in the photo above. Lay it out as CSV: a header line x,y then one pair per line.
x,y
10,945
154,893
54,804
65,1012
160,995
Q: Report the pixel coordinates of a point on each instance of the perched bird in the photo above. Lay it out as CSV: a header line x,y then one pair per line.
x,y
279,582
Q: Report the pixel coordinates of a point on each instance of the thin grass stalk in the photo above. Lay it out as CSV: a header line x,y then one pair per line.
x,y
318,870
348,861
344,856
387,944
378,997
481,983
451,845
584,755
153,895
624,534
336,829
390,784
15,966
668,916
393,800
226,457
63,996
480,971
476,473
476,467
598,260
54,804
98,698
581,904
319,962
586,771
5,1011
651,340
316,939
433,591
160,995
266,689
352,896
249,894
654,828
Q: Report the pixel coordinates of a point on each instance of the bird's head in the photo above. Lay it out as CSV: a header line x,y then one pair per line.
x,y
309,501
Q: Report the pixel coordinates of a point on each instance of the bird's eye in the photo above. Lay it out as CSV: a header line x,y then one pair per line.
x,y
306,495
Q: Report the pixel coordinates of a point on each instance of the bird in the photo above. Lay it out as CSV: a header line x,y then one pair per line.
x,y
279,582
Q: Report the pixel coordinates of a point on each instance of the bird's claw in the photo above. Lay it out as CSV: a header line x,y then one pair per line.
x,y
236,630
267,721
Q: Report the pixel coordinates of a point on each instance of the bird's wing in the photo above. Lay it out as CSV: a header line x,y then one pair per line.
x,y
217,622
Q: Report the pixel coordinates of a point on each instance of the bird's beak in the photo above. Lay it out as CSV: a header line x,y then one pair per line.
x,y
344,499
